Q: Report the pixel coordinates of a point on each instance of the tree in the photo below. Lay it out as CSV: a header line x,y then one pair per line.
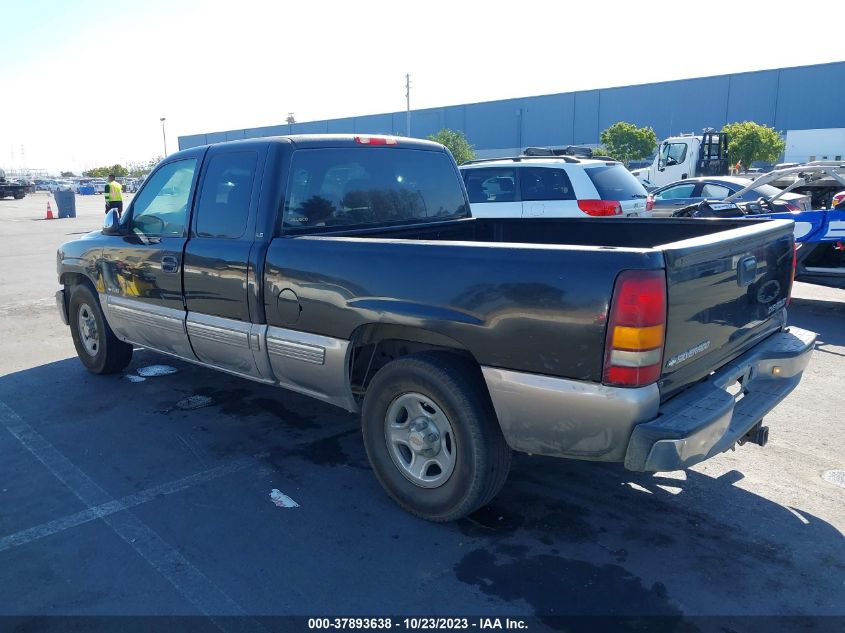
x,y
456,142
136,170
102,172
68,174
626,142
749,141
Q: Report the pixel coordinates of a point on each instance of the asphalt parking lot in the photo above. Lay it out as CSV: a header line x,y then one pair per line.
x,y
117,497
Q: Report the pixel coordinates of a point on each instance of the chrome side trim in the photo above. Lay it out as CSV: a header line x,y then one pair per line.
x,y
147,324
218,334
162,321
297,351
223,343
311,364
568,418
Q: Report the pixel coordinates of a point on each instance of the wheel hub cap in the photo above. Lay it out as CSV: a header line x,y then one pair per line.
x,y
88,330
424,438
420,440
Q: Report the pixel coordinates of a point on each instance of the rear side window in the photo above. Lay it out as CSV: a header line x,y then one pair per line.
x,y
544,183
709,190
490,184
363,185
614,182
223,208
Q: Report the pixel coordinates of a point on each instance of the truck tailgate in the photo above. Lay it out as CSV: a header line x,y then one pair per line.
x,y
725,292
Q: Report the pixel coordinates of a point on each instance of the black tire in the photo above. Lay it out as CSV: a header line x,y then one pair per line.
x,y
482,457
111,354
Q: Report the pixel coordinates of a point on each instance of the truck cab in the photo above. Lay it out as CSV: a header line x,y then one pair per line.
x,y
686,156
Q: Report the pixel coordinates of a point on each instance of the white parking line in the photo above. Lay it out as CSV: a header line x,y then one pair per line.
x,y
189,581
98,512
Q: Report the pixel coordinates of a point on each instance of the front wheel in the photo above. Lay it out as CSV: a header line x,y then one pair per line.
x,y
96,345
432,436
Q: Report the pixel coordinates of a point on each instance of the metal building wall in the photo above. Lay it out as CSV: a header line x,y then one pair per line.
x,y
805,97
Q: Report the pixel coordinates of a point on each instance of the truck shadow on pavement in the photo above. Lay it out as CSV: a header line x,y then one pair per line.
x,y
563,537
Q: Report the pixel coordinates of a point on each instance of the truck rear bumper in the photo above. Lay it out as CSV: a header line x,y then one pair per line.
x,y
583,420
710,417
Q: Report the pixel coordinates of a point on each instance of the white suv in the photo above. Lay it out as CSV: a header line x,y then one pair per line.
x,y
552,186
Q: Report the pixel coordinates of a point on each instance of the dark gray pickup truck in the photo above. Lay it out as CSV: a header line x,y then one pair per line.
x,y
349,269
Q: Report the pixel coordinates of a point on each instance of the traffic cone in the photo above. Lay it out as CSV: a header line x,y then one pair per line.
x,y
49,212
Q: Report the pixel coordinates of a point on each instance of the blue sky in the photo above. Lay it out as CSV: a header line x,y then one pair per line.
x,y
84,83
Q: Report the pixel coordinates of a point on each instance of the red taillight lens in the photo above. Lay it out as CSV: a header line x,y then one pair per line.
x,y
636,329
793,207
600,207
375,140
649,203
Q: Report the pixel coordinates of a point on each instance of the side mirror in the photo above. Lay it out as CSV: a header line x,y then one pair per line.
x,y
111,223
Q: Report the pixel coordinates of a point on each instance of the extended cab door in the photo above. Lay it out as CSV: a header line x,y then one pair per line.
x,y
217,262
141,269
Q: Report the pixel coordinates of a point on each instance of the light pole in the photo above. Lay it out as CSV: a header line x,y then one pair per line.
x,y
163,135
408,105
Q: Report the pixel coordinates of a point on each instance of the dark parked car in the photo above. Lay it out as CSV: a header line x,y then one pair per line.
x,y
349,269
683,193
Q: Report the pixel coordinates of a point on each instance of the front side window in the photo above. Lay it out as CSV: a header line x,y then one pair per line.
x,y
677,192
161,208
544,183
223,208
364,185
490,184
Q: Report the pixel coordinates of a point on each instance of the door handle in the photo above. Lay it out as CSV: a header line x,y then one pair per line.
x,y
169,264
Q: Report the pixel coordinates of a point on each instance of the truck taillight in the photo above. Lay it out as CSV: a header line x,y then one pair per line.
x,y
649,203
600,207
375,140
636,329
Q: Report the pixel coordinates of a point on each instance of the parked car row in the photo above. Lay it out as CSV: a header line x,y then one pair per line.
x,y
84,185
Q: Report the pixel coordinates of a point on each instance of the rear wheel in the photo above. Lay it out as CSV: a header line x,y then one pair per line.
x,y
432,436
96,345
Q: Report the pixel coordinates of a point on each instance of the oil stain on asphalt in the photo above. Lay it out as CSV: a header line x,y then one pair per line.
x,y
556,586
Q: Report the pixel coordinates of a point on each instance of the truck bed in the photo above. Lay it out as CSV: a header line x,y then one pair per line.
x,y
533,295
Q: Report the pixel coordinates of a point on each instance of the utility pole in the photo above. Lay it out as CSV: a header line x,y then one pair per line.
x,y
408,105
163,135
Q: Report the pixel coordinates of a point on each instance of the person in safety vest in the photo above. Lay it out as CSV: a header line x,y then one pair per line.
x,y
114,195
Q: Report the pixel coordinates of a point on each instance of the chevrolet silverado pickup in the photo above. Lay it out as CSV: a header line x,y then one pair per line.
x,y
349,268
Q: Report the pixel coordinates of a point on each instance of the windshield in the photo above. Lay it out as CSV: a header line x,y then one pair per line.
x,y
614,182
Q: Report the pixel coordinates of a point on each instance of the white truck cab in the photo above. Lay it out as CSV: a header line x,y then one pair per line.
x,y
686,156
